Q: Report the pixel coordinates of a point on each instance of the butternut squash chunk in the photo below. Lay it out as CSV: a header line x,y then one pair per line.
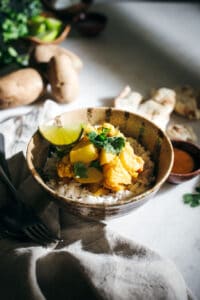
x,y
130,161
115,175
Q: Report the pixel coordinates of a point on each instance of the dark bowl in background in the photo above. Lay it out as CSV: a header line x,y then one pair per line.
x,y
194,151
90,24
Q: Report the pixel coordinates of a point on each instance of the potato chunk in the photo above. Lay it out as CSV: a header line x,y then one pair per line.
x,y
84,151
115,175
131,162
106,157
93,176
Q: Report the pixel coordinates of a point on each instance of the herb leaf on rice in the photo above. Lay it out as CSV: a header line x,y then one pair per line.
x,y
80,170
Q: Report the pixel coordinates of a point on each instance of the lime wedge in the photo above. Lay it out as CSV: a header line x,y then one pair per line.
x,y
36,29
61,136
48,36
53,24
38,19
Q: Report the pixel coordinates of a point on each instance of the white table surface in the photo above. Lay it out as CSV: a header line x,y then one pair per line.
x,y
146,45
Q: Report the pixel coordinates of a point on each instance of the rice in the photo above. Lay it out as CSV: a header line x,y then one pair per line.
x,y
77,192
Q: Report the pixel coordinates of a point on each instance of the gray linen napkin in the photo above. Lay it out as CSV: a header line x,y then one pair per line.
x,y
92,262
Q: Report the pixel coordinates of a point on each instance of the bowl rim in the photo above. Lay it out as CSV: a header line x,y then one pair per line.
x,y
195,146
140,197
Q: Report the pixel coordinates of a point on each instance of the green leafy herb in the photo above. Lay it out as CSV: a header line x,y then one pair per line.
x,y
80,170
116,144
58,151
198,189
105,130
192,199
110,144
14,17
96,164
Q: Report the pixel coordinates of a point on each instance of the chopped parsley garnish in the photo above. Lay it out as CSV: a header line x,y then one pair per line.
x,y
58,151
96,164
80,170
110,144
192,199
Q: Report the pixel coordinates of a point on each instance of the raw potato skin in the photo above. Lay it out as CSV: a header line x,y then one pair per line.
x,y
44,53
20,87
63,79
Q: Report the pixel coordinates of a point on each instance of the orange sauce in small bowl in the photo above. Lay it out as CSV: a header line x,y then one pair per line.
x,y
183,162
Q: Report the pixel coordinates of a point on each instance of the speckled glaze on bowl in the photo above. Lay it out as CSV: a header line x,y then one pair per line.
x,y
194,151
148,134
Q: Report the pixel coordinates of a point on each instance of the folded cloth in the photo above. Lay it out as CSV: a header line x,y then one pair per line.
x,y
91,262
18,129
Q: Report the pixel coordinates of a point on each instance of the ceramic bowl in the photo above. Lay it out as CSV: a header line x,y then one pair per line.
x,y
147,134
90,24
68,10
194,151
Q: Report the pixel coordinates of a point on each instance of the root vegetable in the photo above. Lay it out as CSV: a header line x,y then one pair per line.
x,y
44,53
63,79
20,87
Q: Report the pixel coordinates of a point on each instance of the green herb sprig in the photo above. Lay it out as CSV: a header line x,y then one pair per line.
x,y
110,144
14,17
80,170
192,199
96,164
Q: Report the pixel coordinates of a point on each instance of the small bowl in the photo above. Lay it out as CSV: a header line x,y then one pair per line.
x,y
90,24
147,134
194,151
68,11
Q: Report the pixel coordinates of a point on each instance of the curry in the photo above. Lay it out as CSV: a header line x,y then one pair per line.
x,y
102,159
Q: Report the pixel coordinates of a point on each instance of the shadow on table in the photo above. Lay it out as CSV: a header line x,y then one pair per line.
x,y
136,56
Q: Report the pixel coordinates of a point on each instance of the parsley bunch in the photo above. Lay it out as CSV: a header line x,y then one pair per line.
x,y
192,199
112,144
14,17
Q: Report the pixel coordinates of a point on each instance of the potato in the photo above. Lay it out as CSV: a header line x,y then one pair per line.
x,y
84,152
106,157
63,79
93,176
44,53
20,87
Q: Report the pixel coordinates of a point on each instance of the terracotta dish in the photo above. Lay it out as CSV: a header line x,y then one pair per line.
x,y
190,163
146,133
